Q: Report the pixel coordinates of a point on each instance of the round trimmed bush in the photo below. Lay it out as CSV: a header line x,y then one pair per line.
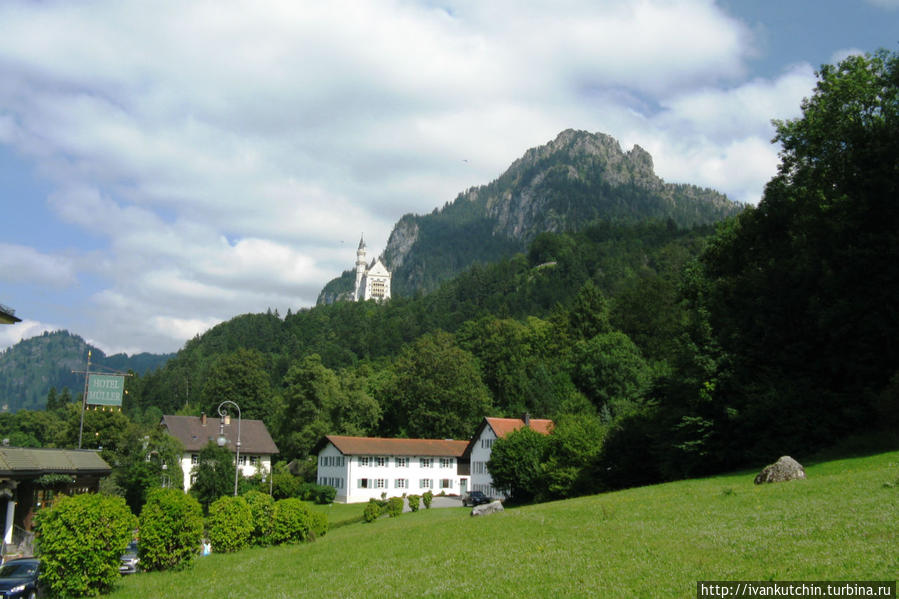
x,y
426,499
292,521
171,529
230,524
414,502
394,506
80,541
372,511
262,507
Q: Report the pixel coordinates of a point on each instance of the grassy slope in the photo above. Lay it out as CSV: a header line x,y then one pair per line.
x,y
841,523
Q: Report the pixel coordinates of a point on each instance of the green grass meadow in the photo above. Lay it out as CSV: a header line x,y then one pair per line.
x,y
840,524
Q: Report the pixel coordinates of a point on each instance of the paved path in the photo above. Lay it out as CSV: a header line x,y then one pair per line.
x,y
437,502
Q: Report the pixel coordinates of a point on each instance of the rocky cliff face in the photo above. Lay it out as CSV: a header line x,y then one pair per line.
x,y
561,186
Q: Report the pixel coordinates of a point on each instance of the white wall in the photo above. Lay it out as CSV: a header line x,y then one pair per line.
x,y
480,454
381,474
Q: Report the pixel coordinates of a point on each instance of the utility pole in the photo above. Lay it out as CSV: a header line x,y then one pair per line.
x,y
87,375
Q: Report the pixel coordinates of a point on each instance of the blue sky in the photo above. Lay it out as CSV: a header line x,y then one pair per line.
x,y
164,170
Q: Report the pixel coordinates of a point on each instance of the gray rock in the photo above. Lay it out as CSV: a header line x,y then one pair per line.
x,y
487,508
784,469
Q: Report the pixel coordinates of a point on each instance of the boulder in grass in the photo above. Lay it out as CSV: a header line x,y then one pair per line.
x,y
487,508
784,469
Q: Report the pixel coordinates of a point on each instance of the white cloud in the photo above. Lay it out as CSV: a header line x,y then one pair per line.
x,y
22,264
227,156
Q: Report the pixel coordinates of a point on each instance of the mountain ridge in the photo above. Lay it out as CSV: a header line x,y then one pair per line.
x,y
561,186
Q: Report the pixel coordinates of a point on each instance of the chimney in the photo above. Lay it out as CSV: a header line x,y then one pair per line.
x,y
527,419
203,419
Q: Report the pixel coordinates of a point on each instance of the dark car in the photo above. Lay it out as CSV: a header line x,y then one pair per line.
x,y
130,562
475,498
18,578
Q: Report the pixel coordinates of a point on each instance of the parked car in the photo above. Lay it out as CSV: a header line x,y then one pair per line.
x,y
18,578
475,498
130,562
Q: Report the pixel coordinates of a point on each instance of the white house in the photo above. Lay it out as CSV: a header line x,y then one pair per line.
x,y
481,445
195,433
372,280
362,468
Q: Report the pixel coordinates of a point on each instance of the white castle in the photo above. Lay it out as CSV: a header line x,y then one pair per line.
x,y
372,281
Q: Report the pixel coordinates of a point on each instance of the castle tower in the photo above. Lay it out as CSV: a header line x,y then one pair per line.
x,y
361,267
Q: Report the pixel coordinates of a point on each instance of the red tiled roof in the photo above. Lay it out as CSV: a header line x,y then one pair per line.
x,y
408,447
503,426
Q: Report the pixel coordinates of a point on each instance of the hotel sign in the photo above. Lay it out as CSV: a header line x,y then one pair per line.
x,y
105,389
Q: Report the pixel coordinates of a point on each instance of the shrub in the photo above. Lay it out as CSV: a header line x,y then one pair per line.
x,y
414,502
171,528
319,524
291,522
372,511
426,499
262,510
230,524
80,541
394,506
284,484
323,494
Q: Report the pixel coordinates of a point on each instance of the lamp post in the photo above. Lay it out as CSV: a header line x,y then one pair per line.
x,y
222,440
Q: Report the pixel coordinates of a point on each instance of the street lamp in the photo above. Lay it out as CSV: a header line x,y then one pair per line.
x,y
222,439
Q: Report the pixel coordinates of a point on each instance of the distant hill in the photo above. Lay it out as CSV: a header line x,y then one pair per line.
x,y
559,187
31,367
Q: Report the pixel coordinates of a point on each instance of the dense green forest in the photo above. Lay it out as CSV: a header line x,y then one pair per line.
x,y
660,351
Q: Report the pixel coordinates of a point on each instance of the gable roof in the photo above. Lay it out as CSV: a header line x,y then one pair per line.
x,y
503,426
403,447
30,461
377,269
194,435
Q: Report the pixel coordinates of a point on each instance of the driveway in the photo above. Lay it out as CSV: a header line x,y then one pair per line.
x,y
437,502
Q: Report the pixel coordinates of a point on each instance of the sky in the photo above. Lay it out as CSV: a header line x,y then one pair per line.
x,y
166,166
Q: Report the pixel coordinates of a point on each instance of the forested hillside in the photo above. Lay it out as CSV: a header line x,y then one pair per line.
x,y
562,186
30,368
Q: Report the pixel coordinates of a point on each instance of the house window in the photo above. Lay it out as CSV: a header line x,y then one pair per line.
x,y
446,483
381,483
365,483
194,458
487,443
446,462
426,462
402,462
254,460
365,461
242,460
401,483
380,461
425,483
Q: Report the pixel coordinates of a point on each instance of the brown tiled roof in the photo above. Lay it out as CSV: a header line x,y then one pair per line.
x,y
21,461
503,426
254,437
410,447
